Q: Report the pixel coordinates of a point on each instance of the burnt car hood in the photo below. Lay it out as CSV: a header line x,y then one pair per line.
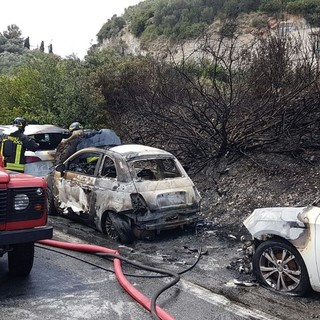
x,y
287,222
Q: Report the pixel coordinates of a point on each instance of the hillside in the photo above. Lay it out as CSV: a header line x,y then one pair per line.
x,y
153,25
231,189
163,48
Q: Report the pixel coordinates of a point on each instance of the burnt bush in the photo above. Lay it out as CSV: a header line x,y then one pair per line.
x,y
231,98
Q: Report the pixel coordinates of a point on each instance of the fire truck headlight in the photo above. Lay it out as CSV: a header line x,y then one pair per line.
x,y
21,202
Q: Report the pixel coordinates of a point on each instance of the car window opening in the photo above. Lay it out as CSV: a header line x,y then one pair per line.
x,y
156,169
108,169
85,163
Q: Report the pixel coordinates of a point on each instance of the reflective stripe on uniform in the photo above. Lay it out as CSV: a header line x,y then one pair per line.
x,y
18,154
14,166
1,151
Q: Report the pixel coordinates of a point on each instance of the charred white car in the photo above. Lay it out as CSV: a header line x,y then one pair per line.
x,y
126,191
286,257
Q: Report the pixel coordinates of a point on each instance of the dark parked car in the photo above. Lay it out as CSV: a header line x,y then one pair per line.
x,y
126,191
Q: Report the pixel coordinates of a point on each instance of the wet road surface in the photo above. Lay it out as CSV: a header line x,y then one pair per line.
x,y
61,287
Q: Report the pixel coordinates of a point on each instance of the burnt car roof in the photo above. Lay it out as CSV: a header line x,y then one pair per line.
x,y
132,151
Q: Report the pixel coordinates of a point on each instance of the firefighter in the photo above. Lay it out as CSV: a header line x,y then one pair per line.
x,y
68,146
14,144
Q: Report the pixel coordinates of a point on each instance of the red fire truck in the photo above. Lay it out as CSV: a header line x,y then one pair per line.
x,y
23,219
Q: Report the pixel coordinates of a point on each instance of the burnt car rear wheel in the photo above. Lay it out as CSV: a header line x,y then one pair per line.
x,y
117,228
279,266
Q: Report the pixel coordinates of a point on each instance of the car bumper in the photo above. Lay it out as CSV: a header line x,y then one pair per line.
x,y
170,222
24,236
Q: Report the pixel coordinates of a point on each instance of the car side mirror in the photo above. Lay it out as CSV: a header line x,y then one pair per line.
x,y
60,168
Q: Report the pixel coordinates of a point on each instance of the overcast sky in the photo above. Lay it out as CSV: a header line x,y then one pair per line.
x,y
69,25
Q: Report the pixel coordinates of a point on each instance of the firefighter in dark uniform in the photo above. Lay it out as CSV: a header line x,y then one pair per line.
x,y
68,147
14,145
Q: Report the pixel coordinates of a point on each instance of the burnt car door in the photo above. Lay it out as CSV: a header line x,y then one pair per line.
x,y
114,186
76,186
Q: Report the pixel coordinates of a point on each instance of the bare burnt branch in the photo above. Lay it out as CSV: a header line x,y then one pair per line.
x,y
227,96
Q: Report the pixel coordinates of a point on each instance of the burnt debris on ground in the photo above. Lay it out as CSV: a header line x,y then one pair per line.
x,y
230,193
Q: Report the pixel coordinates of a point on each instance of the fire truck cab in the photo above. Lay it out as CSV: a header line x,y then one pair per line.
x,y
23,219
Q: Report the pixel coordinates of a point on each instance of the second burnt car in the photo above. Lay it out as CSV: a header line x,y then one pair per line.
x,y
284,252
126,191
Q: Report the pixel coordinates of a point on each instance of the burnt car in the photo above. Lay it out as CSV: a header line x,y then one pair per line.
x,y
126,192
284,248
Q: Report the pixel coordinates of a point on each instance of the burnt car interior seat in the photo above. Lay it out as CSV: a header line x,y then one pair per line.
x,y
146,174
109,172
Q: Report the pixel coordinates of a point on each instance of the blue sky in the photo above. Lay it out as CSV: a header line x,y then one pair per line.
x,y
69,25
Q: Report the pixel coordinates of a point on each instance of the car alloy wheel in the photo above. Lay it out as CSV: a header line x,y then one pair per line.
x,y
111,230
279,266
117,228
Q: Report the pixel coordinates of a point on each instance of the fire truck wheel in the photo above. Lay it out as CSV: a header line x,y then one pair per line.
x,y
20,259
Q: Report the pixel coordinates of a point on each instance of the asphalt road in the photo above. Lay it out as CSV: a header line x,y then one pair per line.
x,y
62,287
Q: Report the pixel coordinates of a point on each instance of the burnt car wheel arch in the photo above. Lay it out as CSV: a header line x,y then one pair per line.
x,y
279,266
117,227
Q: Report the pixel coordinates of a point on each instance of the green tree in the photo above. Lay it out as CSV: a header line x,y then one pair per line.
x,y
12,32
111,28
310,9
27,43
48,89
42,46
11,40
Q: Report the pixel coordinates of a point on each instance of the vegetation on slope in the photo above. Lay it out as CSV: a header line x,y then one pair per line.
x,y
185,19
233,99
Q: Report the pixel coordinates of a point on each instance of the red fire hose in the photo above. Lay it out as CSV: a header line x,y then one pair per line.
x,y
126,285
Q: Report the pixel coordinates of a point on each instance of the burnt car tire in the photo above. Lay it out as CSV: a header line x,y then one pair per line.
x,y
20,259
117,228
51,209
279,266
